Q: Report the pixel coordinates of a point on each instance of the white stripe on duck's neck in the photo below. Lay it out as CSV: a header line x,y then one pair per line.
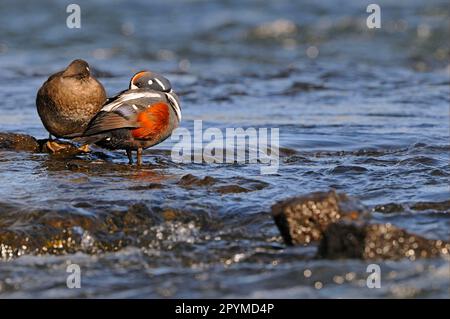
x,y
175,105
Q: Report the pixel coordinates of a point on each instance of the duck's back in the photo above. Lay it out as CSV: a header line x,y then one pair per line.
x,y
67,104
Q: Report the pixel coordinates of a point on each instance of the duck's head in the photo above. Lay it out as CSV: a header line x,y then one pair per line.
x,y
78,68
150,80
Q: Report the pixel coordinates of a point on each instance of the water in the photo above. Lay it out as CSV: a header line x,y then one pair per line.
x,y
367,116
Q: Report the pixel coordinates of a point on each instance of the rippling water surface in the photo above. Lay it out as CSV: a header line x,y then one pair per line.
x,y
362,111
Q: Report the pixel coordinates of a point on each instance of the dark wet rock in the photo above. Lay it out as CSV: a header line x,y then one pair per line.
x,y
342,169
286,152
377,241
18,142
283,73
222,98
222,186
64,232
443,206
389,208
298,87
303,219
97,166
24,142
136,220
79,165
191,180
340,240
342,226
231,189
201,218
297,159
147,187
50,233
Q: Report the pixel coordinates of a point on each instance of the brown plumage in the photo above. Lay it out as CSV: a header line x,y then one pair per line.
x,y
69,99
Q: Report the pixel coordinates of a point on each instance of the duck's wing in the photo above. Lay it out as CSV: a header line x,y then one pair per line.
x,y
124,116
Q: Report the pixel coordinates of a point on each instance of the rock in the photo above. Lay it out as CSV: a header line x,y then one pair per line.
x,y
191,180
231,189
223,186
299,87
303,219
94,166
139,215
147,187
24,142
377,241
342,227
62,232
342,240
18,142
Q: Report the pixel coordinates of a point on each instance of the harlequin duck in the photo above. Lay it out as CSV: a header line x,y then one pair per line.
x,y
137,118
69,99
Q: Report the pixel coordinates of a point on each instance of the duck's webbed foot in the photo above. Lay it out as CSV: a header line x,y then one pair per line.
x,y
54,147
60,147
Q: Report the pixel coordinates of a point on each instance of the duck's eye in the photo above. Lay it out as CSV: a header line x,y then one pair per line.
x,y
150,82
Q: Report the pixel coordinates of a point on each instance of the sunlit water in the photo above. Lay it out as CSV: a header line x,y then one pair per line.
x,y
368,116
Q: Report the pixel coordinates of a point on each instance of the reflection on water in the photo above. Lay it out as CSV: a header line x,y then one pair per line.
x,y
362,111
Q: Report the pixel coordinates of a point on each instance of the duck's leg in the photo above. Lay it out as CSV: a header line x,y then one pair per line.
x,y
130,156
50,137
139,156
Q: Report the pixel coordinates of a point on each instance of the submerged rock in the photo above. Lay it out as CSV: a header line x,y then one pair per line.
x,y
190,180
62,232
377,241
223,186
303,219
342,227
24,142
62,148
18,142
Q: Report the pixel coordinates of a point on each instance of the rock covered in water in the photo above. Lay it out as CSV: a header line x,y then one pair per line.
x,y
62,148
377,241
18,142
61,232
24,142
342,227
223,186
303,219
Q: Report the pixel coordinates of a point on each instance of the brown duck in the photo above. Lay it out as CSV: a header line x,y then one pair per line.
x,y
69,99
